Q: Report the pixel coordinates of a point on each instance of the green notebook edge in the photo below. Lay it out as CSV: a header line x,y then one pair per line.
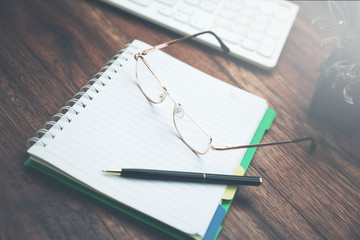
x,y
265,125
150,223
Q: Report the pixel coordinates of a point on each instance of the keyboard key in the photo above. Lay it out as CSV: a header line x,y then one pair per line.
x,y
186,9
193,2
266,51
252,4
258,27
228,35
166,11
207,6
247,12
223,23
249,45
268,41
242,20
267,48
256,37
143,3
181,17
275,29
262,18
232,5
166,2
198,23
236,28
227,14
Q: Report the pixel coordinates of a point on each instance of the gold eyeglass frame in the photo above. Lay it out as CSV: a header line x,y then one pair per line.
x,y
178,108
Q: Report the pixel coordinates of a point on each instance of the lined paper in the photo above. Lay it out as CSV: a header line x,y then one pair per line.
x,y
119,128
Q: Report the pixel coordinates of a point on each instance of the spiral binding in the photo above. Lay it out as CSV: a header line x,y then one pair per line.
x,y
74,105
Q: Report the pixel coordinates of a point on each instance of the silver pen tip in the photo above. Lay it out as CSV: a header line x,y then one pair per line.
x,y
113,171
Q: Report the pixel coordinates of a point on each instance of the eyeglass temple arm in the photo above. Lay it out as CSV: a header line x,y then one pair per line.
x,y
166,44
312,144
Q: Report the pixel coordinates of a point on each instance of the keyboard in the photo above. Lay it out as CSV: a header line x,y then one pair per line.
x,y
255,31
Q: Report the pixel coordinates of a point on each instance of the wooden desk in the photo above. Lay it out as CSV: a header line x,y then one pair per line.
x,y
49,49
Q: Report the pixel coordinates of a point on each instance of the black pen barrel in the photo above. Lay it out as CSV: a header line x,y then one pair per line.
x,y
233,180
190,177
162,175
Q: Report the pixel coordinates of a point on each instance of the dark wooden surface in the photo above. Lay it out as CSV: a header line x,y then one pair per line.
x,y
49,49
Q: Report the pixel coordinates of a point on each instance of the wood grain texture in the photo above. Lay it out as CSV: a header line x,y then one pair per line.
x,y
49,49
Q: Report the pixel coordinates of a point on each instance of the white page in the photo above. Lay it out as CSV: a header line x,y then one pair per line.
x,y
119,128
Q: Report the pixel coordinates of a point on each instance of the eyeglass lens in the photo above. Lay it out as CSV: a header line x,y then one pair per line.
x,y
148,83
188,130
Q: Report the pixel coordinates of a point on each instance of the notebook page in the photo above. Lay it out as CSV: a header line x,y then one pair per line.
x,y
119,128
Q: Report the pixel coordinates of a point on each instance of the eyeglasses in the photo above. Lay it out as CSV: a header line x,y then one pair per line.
x,y
190,131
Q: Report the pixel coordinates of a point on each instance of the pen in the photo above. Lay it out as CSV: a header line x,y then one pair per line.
x,y
149,174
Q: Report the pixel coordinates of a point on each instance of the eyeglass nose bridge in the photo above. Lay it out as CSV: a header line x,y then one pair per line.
x,y
164,94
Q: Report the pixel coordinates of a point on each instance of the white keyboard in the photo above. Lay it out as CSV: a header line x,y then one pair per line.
x,y
255,31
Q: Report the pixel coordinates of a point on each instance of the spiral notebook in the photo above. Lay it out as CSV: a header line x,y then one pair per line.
x,y
110,124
